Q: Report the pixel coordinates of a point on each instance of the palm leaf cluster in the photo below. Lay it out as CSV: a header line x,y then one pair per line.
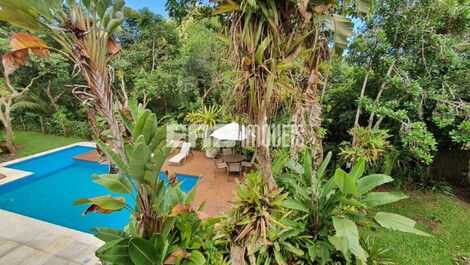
x,y
84,31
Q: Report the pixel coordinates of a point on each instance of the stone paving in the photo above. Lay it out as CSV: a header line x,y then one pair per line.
x,y
28,241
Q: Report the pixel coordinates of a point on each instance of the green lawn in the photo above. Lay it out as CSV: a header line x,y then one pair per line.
x,y
446,218
28,143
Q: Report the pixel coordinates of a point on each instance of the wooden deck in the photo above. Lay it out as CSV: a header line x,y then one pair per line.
x,y
91,156
215,186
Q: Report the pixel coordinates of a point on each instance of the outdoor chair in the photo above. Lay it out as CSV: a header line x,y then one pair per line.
x,y
182,155
227,151
221,165
235,168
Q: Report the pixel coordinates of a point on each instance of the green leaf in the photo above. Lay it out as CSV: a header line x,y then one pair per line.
x,y
126,121
321,169
149,128
289,247
229,7
341,244
295,205
140,123
115,158
138,160
369,182
364,7
86,3
294,166
114,182
142,252
342,28
347,229
197,258
81,201
373,199
261,48
358,169
108,234
20,13
345,183
108,202
307,165
115,252
398,222
118,5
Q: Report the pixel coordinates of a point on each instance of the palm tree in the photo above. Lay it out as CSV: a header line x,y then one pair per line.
x,y
277,47
84,30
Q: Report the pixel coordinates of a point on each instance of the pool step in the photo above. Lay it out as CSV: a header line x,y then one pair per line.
x,y
12,174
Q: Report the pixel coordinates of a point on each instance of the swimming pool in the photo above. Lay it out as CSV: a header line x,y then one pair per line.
x,y
58,181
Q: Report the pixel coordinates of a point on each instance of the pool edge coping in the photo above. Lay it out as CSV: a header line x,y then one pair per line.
x,y
19,174
21,159
59,229
52,228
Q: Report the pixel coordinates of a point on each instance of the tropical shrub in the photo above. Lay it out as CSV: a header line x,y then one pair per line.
x,y
256,226
206,118
370,144
163,225
331,209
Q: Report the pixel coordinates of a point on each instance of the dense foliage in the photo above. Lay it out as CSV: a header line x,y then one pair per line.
x,y
383,105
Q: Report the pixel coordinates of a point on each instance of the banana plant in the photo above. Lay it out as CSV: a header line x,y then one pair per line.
x,y
339,203
150,237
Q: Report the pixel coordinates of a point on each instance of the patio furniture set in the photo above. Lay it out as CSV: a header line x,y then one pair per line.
x,y
231,162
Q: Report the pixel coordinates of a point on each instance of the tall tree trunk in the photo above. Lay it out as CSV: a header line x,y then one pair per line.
x,y
262,149
9,138
314,119
41,122
6,120
379,94
363,89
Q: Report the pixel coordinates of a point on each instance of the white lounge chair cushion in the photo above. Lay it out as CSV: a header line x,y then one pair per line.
x,y
182,154
177,158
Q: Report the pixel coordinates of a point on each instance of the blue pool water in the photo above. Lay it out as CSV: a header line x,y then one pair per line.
x,y
58,181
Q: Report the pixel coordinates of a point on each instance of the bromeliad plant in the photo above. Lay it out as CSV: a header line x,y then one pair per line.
x,y
254,225
339,204
152,235
369,144
277,48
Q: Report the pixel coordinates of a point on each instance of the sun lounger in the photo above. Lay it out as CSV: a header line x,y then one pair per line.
x,y
182,155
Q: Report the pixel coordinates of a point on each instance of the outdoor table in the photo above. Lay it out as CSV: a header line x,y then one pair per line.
x,y
233,158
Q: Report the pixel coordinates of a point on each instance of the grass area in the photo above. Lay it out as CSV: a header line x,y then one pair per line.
x,y
28,143
446,218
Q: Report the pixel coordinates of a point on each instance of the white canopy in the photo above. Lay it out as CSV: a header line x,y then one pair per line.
x,y
231,132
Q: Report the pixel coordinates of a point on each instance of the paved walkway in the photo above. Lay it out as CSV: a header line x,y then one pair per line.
x,y
28,241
